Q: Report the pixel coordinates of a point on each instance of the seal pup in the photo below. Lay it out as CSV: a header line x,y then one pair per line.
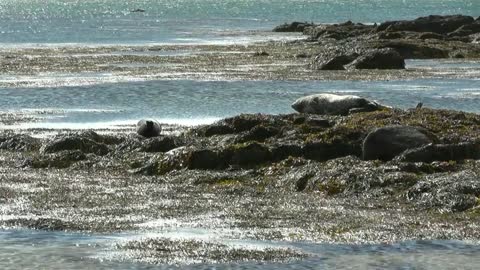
x,y
332,104
148,128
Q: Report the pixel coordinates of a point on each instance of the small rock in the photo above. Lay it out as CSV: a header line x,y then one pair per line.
x,y
442,152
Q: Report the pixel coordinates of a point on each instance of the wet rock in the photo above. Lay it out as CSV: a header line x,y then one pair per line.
x,y
442,152
321,151
215,129
390,35
457,191
19,142
159,144
465,30
283,151
379,59
244,122
250,154
258,133
387,142
74,142
414,50
148,128
292,27
333,62
331,104
337,31
206,159
433,23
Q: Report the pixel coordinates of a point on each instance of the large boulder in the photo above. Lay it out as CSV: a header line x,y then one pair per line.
x,y
379,59
433,23
148,128
332,104
387,142
333,62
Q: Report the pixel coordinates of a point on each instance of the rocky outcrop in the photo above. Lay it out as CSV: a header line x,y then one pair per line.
x,y
292,27
433,23
379,59
336,61
331,104
19,142
442,152
387,142
79,142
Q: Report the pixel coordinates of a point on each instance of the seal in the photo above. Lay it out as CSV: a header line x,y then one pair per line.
x,y
332,104
148,128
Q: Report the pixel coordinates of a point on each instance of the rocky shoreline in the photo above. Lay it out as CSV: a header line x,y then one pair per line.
x,y
364,174
385,46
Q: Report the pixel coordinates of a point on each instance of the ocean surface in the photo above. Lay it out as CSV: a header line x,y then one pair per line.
x,y
105,104
192,21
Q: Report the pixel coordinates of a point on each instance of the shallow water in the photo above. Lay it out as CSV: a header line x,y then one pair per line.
x,y
20,249
199,102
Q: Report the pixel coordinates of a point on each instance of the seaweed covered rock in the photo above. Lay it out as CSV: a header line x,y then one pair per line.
x,y
292,27
159,144
387,142
19,142
62,159
379,59
433,23
331,104
79,141
442,152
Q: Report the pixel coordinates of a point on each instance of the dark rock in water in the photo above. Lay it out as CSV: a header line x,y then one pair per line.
x,y
379,59
387,142
138,10
75,142
292,27
442,152
335,62
433,23
333,104
19,142
148,128
158,144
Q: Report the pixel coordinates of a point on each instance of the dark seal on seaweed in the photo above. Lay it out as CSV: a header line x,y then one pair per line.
x,y
148,128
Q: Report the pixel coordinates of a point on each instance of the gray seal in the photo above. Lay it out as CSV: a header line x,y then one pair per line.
x,y
148,128
332,104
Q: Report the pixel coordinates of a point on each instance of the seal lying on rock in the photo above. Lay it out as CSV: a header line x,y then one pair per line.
x,y
334,104
148,128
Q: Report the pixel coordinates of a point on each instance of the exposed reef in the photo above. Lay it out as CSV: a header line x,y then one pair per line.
x,y
385,46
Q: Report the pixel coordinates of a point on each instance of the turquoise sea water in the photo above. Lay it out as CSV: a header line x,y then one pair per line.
x,y
192,21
